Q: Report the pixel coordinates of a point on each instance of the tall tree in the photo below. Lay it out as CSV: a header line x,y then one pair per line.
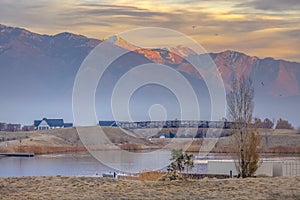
x,y
246,139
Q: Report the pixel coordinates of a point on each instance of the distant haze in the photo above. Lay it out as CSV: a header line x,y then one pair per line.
x,y
37,73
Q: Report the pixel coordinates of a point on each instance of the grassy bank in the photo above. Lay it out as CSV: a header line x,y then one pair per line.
x,y
106,188
68,140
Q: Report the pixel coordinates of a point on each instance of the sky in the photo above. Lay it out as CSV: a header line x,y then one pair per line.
x,y
263,28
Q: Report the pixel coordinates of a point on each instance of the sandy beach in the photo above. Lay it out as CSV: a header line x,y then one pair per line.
x,y
106,188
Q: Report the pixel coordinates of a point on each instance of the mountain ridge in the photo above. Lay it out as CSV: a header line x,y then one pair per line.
x,y
26,31
42,68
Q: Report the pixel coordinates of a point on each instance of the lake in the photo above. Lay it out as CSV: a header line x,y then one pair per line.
x,y
83,164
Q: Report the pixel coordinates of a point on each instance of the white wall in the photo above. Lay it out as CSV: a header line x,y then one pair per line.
x,y
221,167
43,125
224,167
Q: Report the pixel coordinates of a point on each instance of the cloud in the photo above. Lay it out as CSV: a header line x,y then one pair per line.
x,y
112,10
273,5
95,5
293,33
218,24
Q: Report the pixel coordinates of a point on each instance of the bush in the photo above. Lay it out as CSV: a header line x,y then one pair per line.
x,y
180,162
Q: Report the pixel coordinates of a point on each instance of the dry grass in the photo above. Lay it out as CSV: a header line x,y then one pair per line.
x,y
144,176
107,188
67,140
150,176
131,147
42,149
283,150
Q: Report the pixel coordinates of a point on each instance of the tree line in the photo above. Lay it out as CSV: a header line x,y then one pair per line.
x,y
267,123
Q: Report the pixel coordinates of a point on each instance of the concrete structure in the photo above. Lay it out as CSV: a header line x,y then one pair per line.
x,y
268,168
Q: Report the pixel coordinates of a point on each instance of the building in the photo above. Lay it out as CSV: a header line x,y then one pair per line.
x,y
28,128
46,124
108,123
10,127
3,126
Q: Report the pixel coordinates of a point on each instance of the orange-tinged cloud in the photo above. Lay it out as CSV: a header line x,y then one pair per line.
x,y
218,25
225,16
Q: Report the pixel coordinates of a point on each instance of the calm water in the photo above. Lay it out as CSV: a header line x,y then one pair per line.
x,y
51,165
77,165
84,164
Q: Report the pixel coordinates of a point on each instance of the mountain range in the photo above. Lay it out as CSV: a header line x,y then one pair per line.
x,y
37,73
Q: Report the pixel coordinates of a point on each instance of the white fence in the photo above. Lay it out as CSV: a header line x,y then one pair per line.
x,y
269,168
291,168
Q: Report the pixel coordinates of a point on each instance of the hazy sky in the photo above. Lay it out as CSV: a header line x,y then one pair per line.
x,y
265,28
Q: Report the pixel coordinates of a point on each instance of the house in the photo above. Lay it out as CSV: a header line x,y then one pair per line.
x,y
46,124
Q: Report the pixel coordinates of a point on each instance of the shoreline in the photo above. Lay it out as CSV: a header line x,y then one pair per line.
x,y
67,140
45,150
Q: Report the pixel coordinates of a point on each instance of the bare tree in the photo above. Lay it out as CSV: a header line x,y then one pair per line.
x,y
283,124
240,108
267,123
257,122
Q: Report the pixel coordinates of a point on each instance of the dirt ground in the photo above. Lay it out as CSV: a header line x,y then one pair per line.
x,y
107,188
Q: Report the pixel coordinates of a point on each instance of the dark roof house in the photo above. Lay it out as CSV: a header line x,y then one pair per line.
x,y
45,124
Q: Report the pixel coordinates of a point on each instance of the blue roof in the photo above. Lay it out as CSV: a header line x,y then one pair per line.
x,y
68,124
37,122
107,123
50,122
55,122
